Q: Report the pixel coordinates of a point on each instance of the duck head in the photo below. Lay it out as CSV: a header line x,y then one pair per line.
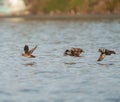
x,y
67,52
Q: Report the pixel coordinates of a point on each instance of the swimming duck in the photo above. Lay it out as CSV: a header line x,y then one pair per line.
x,y
28,53
73,52
104,52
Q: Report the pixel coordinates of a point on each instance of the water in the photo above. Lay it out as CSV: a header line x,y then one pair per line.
x,y
51,77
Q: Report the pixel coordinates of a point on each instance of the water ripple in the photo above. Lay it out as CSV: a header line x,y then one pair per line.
x,y
51,76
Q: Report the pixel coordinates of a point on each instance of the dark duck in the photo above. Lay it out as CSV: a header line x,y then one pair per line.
x,y
73,52
27,52
104,52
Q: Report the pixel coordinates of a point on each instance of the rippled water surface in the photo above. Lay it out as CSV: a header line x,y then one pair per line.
x,y
51,77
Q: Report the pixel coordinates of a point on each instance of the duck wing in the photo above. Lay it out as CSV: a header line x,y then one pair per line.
x,y
73,52
26,49
113,52
108,52
76,51
32,50
101,57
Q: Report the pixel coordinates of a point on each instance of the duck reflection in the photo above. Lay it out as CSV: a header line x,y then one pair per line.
x,y
69,63
105,64
29,64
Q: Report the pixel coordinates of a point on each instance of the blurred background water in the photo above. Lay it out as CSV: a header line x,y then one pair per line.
x,y
51,77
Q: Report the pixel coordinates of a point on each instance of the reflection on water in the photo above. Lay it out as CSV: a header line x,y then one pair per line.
x,y
51,75
107,65
70,63
29,64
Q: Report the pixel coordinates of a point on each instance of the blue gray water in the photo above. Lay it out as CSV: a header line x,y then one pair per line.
x,y
51,77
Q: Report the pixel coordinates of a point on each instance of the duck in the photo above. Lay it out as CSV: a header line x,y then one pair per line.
x,y
104,52
73,52
27,52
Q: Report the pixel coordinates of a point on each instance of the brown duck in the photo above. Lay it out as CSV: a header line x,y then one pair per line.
x,y
104,52
73,52
28,53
